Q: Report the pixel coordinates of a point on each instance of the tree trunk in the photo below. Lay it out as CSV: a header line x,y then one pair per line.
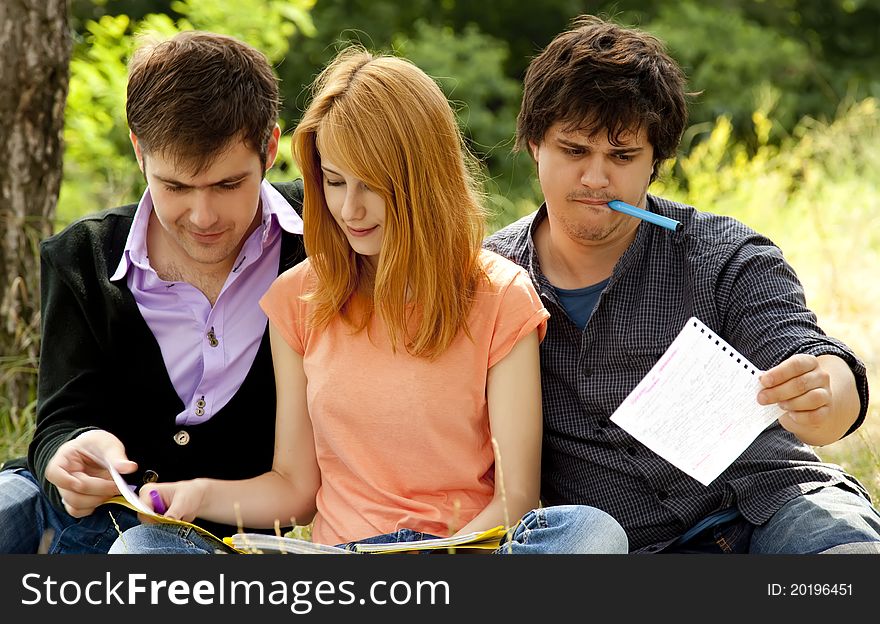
x,y
34,71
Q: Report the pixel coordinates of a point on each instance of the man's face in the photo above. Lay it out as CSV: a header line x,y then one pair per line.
x,y
205,218
580,174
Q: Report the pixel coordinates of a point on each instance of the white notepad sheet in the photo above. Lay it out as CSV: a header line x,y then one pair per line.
x,y
697,407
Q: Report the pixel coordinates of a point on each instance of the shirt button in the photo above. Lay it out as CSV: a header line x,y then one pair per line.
x,y
662,495
200,411
181,438
604,423
631,450
150,476
200,403
212,338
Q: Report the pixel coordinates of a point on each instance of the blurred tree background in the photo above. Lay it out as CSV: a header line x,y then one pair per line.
x,y
785,134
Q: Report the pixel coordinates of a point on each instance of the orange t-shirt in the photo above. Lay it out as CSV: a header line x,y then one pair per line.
x,y
401,441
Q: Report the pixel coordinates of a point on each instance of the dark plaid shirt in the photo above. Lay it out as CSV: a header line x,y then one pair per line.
x,y
735,281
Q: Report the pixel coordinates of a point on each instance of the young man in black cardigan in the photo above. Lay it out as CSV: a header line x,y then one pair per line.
x,y
155,354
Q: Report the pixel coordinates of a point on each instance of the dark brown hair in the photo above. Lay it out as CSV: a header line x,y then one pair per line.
x,y
191,96
599,75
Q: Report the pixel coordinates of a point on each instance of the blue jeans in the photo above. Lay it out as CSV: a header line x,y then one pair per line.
x,y
565,529
830,520
166,539
30,524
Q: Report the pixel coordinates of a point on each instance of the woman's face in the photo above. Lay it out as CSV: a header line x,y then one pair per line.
x,y
358,210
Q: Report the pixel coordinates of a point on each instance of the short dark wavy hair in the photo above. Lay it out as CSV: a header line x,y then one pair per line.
x,y
598,75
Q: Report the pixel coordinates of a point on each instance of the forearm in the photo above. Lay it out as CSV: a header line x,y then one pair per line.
x,y
502,510
258,502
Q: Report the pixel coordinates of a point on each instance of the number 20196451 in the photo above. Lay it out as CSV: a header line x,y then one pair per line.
x,y
809,589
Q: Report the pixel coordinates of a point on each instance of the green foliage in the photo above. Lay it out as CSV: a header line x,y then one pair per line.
x,y
268,25
815,195
737,64
99,168
813,55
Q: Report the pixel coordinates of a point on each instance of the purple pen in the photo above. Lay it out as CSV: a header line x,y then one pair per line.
x,y
158,504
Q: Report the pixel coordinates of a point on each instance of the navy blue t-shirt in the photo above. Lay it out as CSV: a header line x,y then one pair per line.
x,y
580,302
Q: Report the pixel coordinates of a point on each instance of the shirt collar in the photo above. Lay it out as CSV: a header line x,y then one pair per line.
x,y
275,210
135,250
273,203
532,264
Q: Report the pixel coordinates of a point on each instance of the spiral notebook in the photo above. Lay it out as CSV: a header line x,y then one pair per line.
x,y
697,407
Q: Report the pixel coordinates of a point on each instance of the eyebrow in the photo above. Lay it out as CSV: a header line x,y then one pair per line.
x,y
326,169
238,177
632,149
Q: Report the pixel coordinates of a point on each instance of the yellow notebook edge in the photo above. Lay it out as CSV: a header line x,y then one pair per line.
x,y
489,539
120,500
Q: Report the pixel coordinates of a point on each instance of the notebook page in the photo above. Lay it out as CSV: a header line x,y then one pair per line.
x,y
697,407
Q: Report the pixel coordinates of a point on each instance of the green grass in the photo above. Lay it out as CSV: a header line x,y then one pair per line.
x,y
14,437
859,453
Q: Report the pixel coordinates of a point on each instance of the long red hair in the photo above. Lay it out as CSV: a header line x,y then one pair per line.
x,y
389,123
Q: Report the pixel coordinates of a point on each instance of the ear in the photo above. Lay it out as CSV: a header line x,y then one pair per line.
x,y
272,148
533,150
138,153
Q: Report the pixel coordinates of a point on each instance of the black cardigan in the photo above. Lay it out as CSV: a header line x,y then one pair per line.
x,y
101,368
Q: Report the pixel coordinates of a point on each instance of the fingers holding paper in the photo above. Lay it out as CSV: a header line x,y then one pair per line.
x,y
79,471
818,395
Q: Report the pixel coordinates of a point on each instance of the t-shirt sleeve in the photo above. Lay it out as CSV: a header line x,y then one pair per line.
x,y
284,307
520,312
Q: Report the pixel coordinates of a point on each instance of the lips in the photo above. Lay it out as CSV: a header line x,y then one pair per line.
x,y
360,231
206,237
596,204
593,202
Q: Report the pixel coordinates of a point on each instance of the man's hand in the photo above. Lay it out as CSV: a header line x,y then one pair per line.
x,y
78,472
818,395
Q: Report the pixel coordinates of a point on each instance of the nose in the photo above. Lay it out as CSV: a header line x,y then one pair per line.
x,y
353,206
202,214
594,174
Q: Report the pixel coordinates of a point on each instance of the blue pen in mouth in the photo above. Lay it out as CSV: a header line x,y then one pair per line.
x,y
646,215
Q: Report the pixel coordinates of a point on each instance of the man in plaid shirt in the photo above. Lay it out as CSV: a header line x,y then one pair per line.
x,y
603,107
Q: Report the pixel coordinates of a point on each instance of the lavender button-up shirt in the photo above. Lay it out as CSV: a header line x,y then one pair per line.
x,y
208,351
